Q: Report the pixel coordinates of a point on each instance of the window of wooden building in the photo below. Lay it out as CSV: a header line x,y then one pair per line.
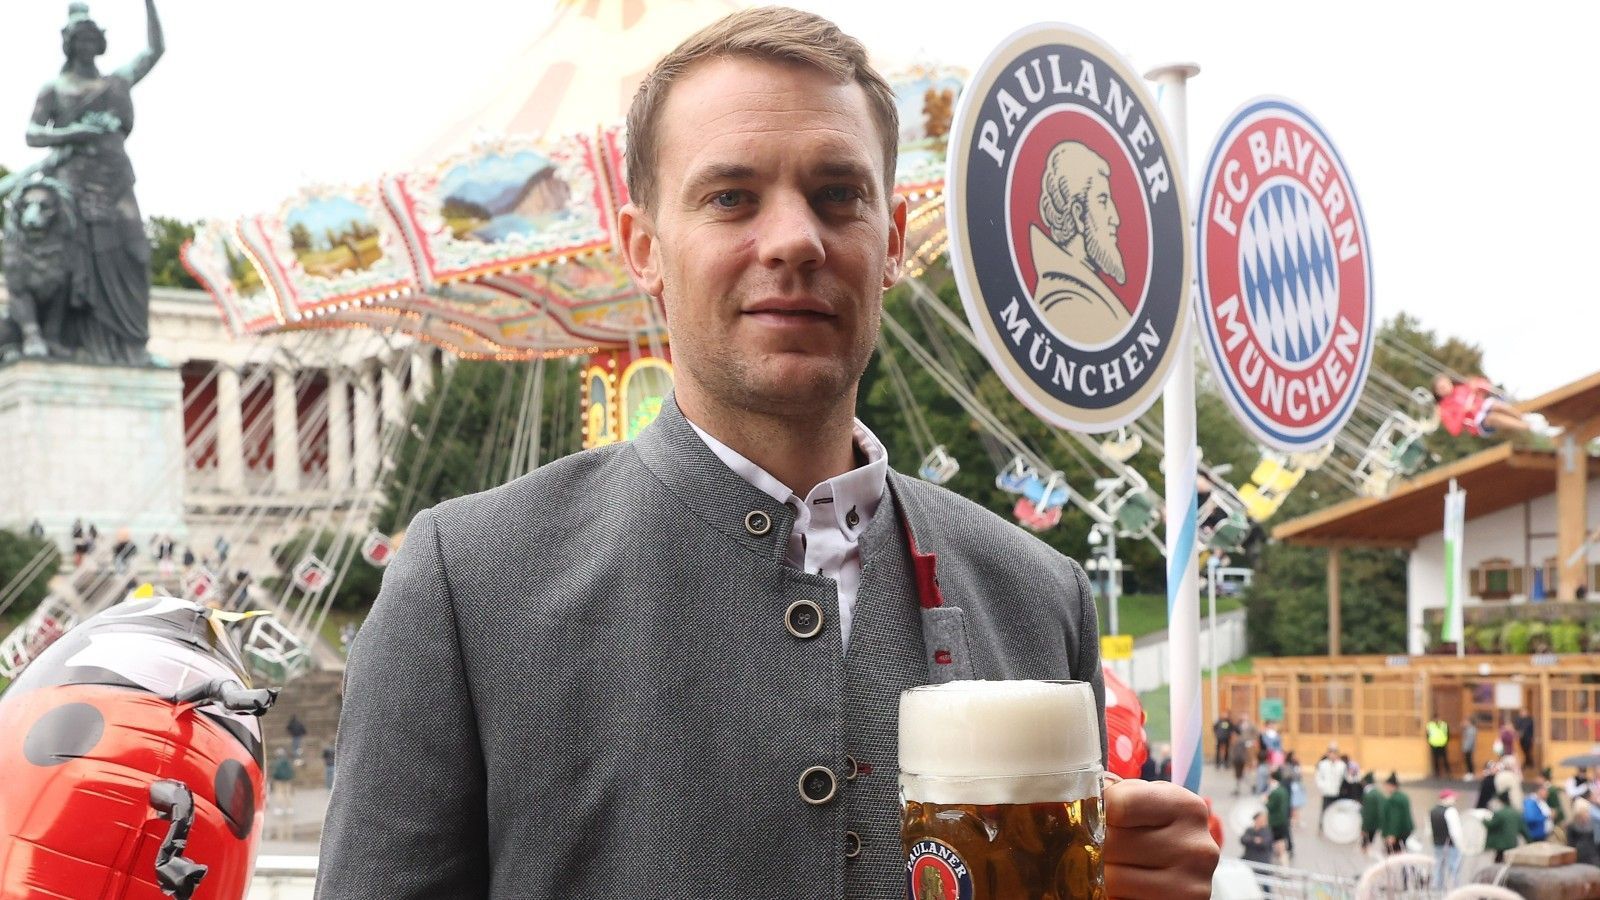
x,y
1574,712
1497,579
1390,708
1325,704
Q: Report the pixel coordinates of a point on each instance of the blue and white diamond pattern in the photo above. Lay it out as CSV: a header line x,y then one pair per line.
x,y
1289,271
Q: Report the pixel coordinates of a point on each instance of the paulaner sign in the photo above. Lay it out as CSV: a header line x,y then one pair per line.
x,y
1068,231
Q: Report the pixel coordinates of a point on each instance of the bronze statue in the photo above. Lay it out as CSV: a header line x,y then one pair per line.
x,y
85,117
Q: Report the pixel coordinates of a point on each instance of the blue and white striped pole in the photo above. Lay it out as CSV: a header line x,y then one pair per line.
x,y
1182,459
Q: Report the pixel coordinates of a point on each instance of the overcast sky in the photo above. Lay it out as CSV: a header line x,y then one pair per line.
x,y
1463,125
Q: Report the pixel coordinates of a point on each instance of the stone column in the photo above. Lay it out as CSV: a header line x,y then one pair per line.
x,y
421,373
230,432
285,433
366,419
391,393
338,430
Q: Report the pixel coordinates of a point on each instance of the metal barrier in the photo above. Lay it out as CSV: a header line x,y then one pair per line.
x,y
1237,879
283,878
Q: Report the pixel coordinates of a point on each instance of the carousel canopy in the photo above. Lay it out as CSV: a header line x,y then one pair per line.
x,y
499,243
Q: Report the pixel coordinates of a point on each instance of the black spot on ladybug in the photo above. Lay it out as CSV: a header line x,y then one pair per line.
x,y
67,732
236,797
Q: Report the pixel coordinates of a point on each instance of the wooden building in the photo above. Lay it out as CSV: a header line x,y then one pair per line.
x,y
1528,515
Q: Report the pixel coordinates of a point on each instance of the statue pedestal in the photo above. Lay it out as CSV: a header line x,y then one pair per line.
x,y
99,443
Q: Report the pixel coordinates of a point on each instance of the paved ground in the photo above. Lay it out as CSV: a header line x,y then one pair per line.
x,y
294,829
1312,851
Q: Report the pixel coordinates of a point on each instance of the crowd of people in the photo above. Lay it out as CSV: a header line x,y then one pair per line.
x,y
1512,807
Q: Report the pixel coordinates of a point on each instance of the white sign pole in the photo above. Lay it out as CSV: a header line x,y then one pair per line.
x,y
1182,458
1211,603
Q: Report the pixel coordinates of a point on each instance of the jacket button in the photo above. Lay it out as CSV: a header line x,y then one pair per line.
x,y
817,785
852,768
757,522
852,844
803,619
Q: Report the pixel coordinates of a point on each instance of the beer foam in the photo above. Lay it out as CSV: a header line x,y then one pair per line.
x,y
1019,732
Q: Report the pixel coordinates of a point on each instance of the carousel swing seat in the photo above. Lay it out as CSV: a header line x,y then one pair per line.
x,y
938,467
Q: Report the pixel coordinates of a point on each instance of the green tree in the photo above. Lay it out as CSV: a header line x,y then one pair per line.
x,y
463,436
16,552
361,581
167,237
1288,599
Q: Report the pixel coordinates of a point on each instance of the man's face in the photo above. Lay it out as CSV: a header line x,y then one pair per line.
x,y
770,240
1100,224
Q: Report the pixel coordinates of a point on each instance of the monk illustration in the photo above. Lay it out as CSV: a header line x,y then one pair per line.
x,y
1080,249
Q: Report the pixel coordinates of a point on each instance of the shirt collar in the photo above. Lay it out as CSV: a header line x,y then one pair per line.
x,y
857,492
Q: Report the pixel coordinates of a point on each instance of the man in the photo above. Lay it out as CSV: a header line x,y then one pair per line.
x,y
1445,821
1329,776
1438,734
1222,730
1524,737
1469,744
1278,809
1239,758
1397,823
1257,840
1536,818
297,735
1371,811
1078,251
597,672
1505,826
1578,786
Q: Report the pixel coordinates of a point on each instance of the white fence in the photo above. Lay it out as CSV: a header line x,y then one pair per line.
x,y
1151,666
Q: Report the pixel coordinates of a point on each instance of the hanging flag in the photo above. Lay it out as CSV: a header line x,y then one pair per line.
x,y
376,549
311,574
1455,517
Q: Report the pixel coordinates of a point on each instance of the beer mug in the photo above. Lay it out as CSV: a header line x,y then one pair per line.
x,y
1000,787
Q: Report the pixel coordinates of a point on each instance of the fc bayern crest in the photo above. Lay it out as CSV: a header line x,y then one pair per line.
x,y
1285,276
935,871
1068,228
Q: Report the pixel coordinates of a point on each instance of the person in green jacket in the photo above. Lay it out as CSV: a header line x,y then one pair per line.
x,y
1396,816
1278,818
1558,814
1371,811
1503,828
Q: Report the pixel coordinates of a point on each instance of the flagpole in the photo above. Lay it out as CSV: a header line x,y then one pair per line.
x,y
1461,570
1182,458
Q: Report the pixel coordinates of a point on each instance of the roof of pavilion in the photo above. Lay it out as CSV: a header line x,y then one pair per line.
x,y
1494,479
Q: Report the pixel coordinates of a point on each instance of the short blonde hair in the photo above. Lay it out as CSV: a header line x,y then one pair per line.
x,y
771,33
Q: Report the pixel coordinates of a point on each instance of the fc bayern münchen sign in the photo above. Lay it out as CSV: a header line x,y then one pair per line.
x,y
1285,276
1068,228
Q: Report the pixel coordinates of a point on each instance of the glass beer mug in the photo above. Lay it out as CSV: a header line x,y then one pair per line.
x,y
1000,787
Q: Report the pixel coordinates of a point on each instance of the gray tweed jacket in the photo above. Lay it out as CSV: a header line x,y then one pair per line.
x,y
584,684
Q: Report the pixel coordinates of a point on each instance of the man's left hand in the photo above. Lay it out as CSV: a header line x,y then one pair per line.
x,y
1158,845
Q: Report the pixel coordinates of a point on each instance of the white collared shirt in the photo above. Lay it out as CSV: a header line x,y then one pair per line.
x,y
830,520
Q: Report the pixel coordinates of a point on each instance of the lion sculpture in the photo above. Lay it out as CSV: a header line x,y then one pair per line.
x,y
42,259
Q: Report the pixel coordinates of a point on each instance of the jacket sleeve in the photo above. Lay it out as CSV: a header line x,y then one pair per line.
x,y
408,816
1086,659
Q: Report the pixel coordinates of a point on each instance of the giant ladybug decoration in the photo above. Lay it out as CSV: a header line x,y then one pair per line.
x,y
132,756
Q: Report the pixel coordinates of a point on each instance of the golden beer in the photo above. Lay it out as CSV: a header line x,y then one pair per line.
x,y
1000,788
